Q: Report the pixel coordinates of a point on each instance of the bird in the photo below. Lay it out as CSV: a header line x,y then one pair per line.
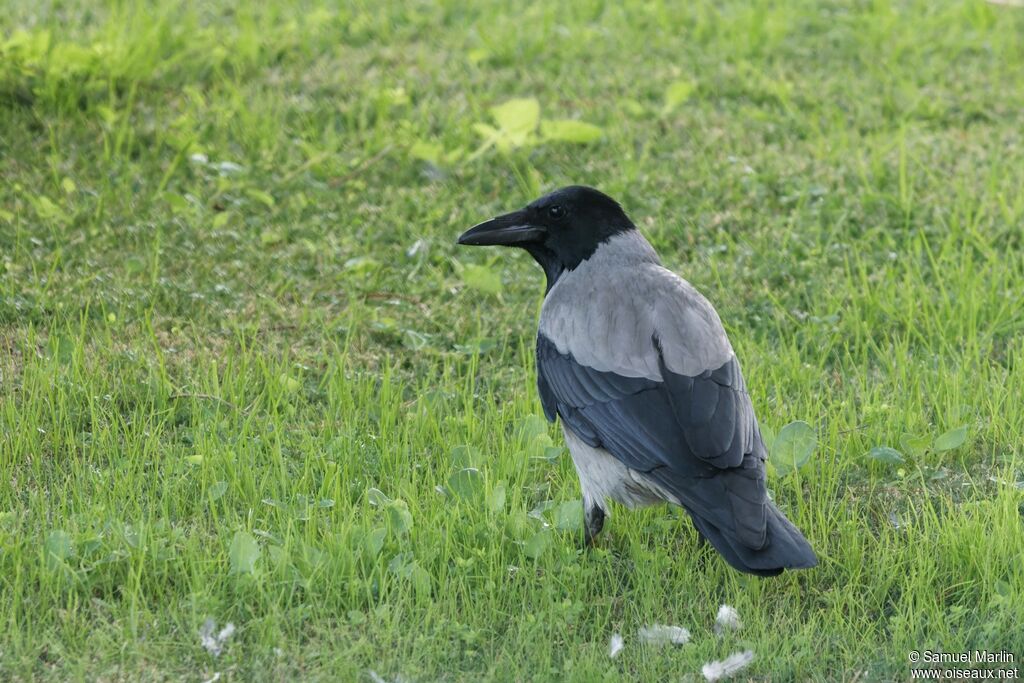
x,y
635,364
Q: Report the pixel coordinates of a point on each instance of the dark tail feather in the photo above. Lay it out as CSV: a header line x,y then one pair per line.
x,y
785,548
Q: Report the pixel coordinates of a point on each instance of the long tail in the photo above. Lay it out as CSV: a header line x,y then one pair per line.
x,y
785,546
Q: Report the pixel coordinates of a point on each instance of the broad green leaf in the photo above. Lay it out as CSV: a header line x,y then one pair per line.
x,y
552,453
954,438
420,579
793,447
677,93
90,546
377,498
632,107
427,151
373,542
518,525
243,553
531,427
517,119
261,196
59,547
537,544
538,447
404,565
289,384
466,456
884,454
278,556
540,508
399,516
915,446
47,210
466,483
478,55
570,130
401,564
569,516
268,238
496,498
218,490
131,537
177,203
482,278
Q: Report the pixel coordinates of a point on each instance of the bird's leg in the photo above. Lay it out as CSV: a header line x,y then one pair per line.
x,y
593,520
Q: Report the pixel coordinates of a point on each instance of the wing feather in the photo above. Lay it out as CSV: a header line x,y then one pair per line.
x,y
691,434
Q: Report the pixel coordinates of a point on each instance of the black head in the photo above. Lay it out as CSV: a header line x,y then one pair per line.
x,y
560,230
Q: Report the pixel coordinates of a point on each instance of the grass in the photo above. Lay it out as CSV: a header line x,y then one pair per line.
x,y
243,365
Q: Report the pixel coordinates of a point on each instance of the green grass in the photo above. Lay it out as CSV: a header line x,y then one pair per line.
x,y
197,356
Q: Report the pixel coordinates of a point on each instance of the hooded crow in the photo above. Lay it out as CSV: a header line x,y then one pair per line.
x,y
636,364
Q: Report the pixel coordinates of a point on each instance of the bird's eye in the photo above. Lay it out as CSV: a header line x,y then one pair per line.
x,y
556,211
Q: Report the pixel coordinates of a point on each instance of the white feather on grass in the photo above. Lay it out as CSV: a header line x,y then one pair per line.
x,y
615,646
214,642
716,671
728,619
377,678
659,634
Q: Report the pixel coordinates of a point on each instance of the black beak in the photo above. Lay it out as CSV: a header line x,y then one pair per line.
x,y
508,230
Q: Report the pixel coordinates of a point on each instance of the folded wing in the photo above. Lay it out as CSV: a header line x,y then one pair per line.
x,y
695,436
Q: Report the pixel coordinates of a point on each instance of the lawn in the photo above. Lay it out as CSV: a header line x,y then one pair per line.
x,y
247,378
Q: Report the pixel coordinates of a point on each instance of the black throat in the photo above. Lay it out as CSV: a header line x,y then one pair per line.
x,y
557,256
549,261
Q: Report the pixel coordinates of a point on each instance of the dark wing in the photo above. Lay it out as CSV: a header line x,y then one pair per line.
x,y
695,436
707,417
